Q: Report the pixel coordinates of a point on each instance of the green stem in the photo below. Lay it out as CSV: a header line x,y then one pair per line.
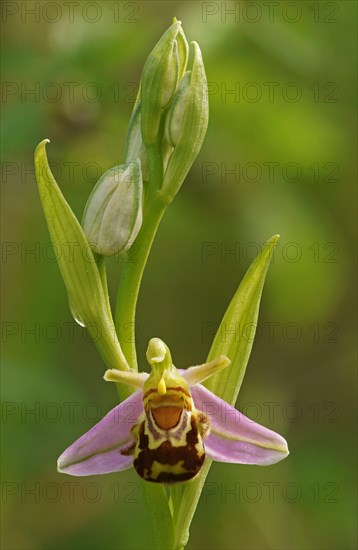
x,y
161,520
131,277
136,258
185,501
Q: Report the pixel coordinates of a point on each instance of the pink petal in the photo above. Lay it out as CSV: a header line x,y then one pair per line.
x,y
233,436
99,450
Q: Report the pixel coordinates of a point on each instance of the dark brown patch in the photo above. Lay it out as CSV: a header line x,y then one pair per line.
x,y
129,450
167,477
167,454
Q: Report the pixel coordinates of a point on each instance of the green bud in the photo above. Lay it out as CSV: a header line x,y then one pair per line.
x,y
175,117
159,80
134,147
113,213
186,126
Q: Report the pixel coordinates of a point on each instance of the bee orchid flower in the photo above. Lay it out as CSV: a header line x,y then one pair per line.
x,y
169,425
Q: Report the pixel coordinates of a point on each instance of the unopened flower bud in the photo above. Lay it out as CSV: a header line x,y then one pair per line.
x,y
159,80
187,122
113,213
175,117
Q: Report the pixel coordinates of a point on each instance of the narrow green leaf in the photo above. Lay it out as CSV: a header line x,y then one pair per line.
x,y
236,332
88,296
242,313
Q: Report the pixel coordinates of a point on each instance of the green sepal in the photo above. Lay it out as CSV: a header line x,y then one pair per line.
x,y
195,118
242,312
87,294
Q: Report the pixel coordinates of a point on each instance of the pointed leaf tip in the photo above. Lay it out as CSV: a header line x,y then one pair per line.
x,y
243,313
87,294
274,239
42,144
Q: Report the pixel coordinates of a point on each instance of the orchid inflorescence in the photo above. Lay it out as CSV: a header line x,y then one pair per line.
x,y
168,425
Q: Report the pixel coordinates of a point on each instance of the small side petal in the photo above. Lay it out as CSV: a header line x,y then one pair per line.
x,y
199,373
99,450
234,437
134,379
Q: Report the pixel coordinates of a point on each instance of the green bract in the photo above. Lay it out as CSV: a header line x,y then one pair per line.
x,y
241,315
113,213
87,295
135,148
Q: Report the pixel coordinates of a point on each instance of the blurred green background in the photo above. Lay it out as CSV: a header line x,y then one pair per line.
x,y
279,157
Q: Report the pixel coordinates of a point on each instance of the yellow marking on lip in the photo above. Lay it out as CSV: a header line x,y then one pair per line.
x,y
165,400
177,389
162,388
158,468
